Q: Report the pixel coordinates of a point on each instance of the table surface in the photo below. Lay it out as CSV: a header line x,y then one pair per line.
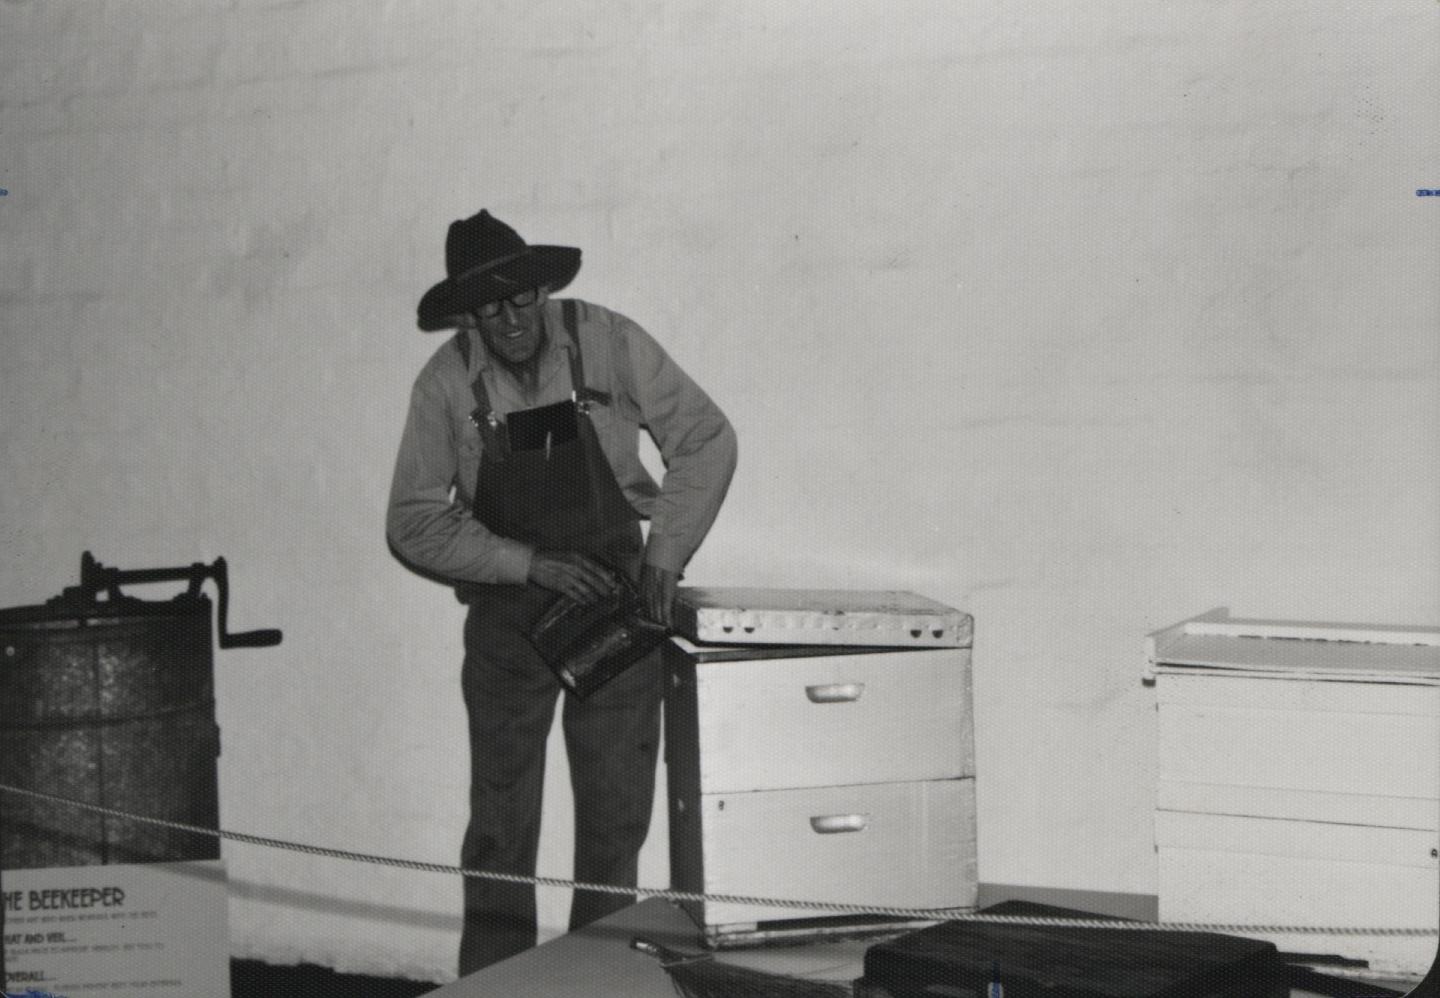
x,y
597,961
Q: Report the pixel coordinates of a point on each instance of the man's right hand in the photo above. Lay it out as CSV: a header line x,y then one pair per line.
x,y
571,574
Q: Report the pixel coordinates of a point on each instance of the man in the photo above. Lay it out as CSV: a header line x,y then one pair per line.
x,y
519,478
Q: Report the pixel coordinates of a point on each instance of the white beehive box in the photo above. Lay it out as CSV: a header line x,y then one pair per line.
x,y
820,773
1299,781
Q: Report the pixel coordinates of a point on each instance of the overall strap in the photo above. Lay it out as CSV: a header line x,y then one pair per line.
x,y
584,395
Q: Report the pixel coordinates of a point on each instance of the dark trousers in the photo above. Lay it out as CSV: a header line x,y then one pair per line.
x,y
611,740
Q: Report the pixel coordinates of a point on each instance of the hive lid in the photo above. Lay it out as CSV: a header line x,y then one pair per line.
x,y
1214,643
877,618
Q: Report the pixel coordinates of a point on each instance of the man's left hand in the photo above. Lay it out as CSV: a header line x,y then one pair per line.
x,y
657,593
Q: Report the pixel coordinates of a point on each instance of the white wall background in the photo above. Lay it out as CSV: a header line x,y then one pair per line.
x,y
1084,318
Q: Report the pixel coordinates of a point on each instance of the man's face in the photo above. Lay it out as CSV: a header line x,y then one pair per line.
x,y
513,333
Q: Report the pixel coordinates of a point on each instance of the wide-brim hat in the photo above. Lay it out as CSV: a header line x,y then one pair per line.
x,y
487,261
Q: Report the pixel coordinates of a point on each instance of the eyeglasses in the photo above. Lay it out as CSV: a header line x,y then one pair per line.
x,y
492,308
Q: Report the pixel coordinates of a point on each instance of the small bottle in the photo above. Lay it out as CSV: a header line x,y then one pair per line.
x,y
996,989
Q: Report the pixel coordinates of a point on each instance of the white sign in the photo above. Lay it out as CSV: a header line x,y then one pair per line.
x,y
157,930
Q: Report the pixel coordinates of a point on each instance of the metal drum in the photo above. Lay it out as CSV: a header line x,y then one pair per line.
x,y
110,700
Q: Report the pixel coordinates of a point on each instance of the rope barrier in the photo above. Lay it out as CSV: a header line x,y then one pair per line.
x,y
936,914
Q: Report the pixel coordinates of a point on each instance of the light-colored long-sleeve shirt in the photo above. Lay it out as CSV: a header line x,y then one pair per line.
x,y
429,522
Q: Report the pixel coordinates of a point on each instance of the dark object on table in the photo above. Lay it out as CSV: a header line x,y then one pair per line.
x,y
700,975
956,957
588,644
1302,971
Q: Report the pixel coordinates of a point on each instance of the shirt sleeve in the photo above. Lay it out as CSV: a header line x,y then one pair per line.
x,y
426,526
695,440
